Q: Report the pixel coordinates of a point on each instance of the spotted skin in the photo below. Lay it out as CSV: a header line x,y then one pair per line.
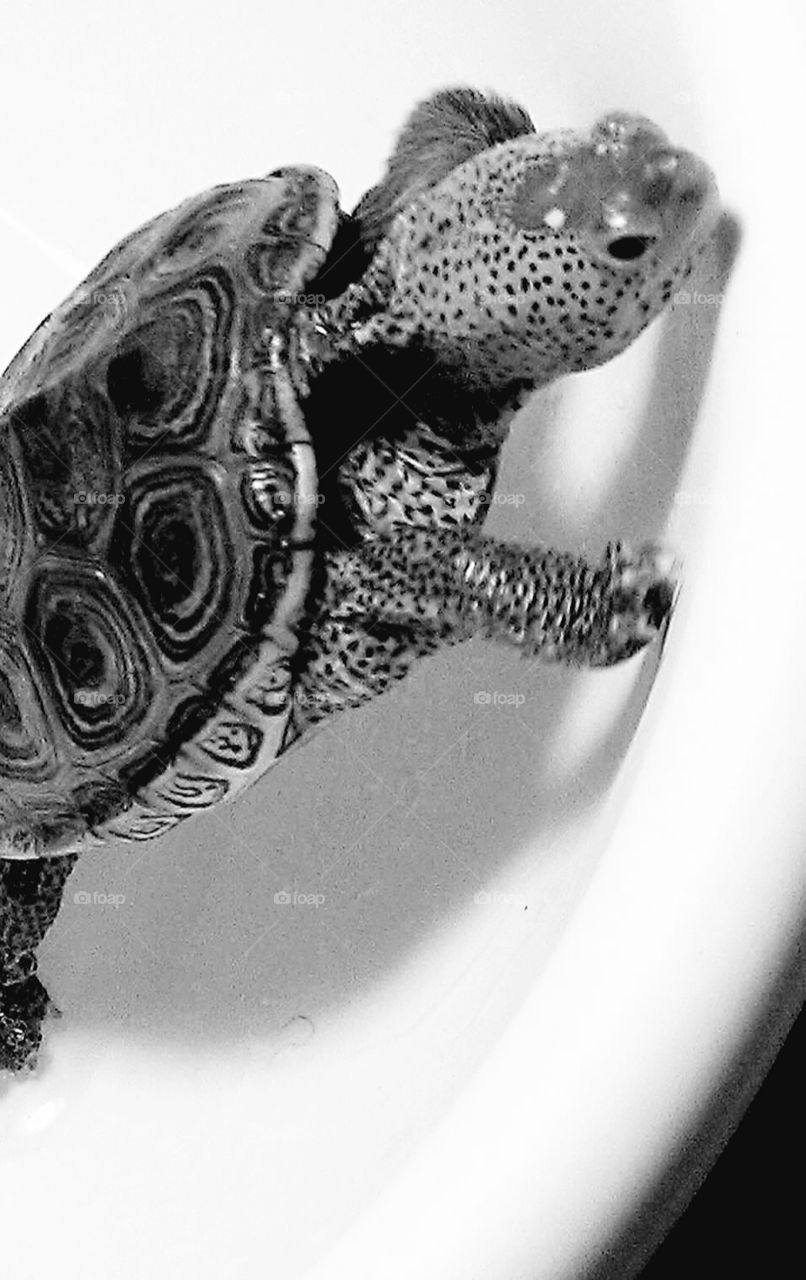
x,y
407,483
385,354
545,255
416,584
540,255
360,639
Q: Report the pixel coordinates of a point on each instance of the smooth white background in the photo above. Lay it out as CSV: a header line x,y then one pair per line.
x,y
405,1080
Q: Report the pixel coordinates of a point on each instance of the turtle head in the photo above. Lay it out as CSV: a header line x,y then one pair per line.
x,y
540,254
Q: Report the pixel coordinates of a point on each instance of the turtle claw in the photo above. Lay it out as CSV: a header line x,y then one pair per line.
x,y
644,595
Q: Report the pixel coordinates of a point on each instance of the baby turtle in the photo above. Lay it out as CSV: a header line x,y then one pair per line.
x,y
244,470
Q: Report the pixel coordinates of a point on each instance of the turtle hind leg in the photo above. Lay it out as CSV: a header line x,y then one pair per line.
x,y
23,1008
30,896
348,660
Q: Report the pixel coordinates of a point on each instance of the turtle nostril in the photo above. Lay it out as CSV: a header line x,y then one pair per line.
x,y
628,248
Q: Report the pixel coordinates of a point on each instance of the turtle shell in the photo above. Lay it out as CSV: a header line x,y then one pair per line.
x,y
157,501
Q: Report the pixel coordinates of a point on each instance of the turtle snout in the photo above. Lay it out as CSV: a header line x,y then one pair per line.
x,y
623,190
664,195
620,134
649,190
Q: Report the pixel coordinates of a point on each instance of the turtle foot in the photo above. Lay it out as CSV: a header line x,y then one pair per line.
x,y
644,593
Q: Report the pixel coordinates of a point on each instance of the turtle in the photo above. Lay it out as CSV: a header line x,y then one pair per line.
x,y
245,466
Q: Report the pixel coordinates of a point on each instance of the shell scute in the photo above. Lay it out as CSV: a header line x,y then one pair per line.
x,y
157,546
90,647
168,372
70,462
175,543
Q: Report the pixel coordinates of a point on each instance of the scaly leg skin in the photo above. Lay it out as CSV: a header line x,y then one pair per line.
x,y
404,595
30,897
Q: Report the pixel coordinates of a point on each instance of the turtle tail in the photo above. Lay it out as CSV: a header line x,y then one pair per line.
x,y
30,897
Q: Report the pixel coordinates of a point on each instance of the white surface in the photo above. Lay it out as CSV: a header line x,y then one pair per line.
x,y
401,1080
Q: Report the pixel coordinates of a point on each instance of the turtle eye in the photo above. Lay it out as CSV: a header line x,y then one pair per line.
x,y
629,248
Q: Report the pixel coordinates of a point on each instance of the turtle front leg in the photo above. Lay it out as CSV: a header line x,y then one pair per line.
x,y
30,897
403,595
549,603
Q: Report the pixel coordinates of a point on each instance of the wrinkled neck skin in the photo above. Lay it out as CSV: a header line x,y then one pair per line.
x,y
359,340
